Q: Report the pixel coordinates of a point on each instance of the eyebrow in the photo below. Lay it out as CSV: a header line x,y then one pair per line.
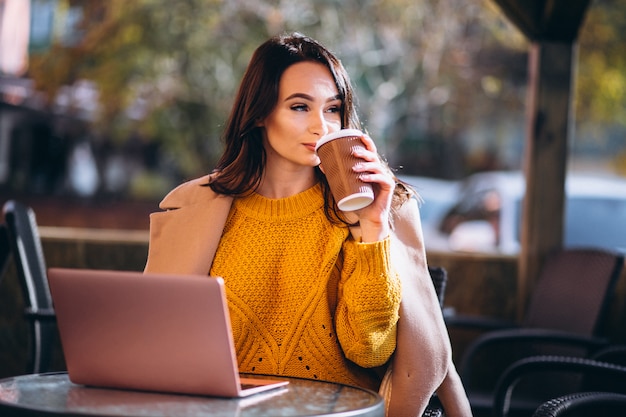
x,y
310,98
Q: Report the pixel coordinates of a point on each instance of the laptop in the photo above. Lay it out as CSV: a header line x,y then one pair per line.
x,y
149,332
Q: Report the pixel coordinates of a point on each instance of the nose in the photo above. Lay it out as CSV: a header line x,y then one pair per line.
x,y
318,124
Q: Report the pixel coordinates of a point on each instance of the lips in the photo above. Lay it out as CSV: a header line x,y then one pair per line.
x,y
310,146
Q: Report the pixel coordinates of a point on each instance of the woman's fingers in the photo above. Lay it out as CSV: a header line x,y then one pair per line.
x,y
372,168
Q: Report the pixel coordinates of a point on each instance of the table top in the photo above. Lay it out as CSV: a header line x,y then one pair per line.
x,y
54,394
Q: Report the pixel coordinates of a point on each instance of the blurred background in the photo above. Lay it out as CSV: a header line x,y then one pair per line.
x,y
105,106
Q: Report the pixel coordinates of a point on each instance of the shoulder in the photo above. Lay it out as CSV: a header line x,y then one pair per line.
x,y
405,216
405,204
188,193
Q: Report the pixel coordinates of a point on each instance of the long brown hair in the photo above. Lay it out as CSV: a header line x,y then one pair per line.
x,y
240,169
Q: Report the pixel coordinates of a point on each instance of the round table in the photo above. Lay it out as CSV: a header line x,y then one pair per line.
x,y
53,394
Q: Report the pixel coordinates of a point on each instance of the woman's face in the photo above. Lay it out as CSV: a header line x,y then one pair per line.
x,y
308,107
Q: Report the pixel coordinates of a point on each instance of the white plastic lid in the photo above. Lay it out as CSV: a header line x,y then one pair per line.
x,y
336,135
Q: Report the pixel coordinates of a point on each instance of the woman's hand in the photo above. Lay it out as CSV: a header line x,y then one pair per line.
x,y
374,219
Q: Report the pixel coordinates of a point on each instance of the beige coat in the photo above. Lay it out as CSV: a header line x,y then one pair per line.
x,y
184,238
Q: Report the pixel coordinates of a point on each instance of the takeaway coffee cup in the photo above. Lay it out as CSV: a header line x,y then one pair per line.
x,y
335,153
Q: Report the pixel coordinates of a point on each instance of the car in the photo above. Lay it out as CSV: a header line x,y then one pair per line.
x,y
487,214
437,196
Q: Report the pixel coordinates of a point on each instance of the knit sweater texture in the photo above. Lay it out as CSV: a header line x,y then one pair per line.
x,y
305,299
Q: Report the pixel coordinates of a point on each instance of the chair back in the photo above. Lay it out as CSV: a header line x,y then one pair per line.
x,y
440,278
28,255
574,290
30,264
5,249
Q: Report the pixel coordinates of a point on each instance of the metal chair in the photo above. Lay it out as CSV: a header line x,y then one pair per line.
x,y
439,277
589,402
5,249
564,317
600,387
31,269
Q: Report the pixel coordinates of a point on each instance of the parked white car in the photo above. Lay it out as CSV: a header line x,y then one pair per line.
x,y
487,214
438,196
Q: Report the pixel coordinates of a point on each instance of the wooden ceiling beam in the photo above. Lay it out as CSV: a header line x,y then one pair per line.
x,y
546,20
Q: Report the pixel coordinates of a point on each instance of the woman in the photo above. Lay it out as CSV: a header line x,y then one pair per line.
x,y
312,292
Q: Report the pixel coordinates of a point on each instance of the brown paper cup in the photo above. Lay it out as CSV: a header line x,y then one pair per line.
x,y
335,153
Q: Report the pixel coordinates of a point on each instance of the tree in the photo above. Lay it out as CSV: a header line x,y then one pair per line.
x,y
429,75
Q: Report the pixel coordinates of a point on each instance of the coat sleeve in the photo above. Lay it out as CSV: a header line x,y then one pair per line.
x,y
423,350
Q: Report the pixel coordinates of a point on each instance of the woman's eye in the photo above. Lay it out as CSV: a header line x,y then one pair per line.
x,y
299,107
334,109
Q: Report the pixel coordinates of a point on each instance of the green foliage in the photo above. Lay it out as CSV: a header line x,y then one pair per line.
x,y
432,70
601,80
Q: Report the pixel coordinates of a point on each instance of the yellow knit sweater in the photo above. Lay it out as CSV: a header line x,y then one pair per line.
x,y
303,295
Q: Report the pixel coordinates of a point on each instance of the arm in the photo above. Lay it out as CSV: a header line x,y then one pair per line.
x,y
369,290
368,304
423,353
423,362
452,395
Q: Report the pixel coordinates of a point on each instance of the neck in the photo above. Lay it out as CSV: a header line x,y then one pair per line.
x,y
283,184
